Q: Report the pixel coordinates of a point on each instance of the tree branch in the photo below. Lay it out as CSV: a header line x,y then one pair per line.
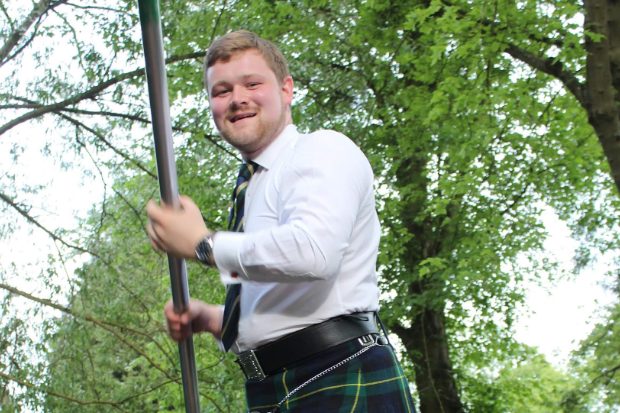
x,y
81,402
88,94
607,374
67,310
93,7
55,237
35,15
74,34
30,104
553,68
102,138
106,325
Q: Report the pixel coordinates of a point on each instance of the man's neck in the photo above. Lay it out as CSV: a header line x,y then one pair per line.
x,y
256,153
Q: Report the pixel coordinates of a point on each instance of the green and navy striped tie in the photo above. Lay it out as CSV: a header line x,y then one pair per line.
x,y
230,326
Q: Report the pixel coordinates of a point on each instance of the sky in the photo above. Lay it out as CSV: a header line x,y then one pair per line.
x,y
558,315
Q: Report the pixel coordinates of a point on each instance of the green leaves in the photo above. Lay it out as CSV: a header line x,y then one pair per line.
x,y
470,125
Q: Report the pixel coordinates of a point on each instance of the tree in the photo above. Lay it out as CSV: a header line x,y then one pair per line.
x,y
525,383
469,144
597,364
106,347
469,140
598,94
113,347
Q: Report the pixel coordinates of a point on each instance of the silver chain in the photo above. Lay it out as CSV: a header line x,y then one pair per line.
x,y
328,370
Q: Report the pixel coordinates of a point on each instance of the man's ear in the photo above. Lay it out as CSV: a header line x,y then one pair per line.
x,y
287,89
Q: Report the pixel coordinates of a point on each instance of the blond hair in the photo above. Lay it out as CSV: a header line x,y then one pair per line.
x,y
224,47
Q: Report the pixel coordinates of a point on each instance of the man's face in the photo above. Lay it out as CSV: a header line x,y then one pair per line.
x,y
249,105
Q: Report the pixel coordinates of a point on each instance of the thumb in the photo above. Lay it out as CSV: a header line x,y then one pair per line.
x,y
152,210
187,203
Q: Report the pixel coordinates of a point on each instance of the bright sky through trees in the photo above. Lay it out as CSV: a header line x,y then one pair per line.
x,y
555,317
478,118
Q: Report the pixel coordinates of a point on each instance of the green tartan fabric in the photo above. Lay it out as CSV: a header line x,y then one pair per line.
x,y
372,382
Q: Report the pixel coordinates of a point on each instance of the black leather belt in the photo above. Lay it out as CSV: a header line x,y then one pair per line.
x,y
292,348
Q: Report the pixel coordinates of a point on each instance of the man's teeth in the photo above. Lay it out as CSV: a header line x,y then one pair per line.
x,y
239,117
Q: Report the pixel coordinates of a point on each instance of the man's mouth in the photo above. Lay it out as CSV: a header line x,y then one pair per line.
x,y
241,116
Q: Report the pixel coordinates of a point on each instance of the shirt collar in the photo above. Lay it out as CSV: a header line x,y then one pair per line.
x,y
271,154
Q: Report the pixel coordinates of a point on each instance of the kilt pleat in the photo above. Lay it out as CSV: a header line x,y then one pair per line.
x,y
371,382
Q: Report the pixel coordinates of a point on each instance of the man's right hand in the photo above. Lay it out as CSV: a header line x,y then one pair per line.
x,y
198,317
176,230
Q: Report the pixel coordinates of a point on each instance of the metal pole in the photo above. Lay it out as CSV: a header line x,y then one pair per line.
x,y
166,169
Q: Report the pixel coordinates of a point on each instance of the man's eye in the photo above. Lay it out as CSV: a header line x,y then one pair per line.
x,y
220,92
253,85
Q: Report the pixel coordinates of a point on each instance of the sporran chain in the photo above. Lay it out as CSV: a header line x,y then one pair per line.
x,y
327,370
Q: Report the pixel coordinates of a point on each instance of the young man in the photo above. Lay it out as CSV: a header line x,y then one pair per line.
x,y
299,256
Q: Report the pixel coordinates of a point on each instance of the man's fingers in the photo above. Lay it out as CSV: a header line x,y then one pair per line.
x,y
155,240
152,210
186,202
179,325
150,230
177,329
156,212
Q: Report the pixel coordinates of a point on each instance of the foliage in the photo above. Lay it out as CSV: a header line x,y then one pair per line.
x,y
526,383
469,139
113,346
597,364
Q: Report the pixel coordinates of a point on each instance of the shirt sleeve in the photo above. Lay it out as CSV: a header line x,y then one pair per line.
x,y
320,192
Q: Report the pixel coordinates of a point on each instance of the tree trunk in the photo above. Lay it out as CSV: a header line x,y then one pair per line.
x,y
427,346
602,17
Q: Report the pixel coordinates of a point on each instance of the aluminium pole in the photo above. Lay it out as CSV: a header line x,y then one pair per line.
x,y
150,22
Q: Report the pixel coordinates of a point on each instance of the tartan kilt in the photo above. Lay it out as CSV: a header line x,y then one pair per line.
x,y
371,382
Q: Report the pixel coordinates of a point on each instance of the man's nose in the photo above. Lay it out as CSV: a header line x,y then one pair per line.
x,y
239,96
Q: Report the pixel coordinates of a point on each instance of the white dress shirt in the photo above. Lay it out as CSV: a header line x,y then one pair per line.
x,y
311,237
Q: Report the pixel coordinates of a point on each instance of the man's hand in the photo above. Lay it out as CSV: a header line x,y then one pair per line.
x,y
198,317
176,231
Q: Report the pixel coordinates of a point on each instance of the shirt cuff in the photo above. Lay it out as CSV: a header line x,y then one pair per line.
x,y
227,254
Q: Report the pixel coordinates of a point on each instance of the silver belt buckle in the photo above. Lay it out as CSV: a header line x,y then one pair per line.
x,y
250,366
366,340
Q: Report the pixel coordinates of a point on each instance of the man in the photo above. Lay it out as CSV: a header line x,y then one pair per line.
x,y
302,289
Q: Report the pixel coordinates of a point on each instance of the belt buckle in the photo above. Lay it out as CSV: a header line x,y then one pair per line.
x,y
251,366
366,340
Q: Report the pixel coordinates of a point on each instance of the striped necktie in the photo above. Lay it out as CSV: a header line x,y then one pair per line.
x,y
230,325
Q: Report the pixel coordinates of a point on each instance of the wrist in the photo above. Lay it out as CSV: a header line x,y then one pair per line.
x,y
204,250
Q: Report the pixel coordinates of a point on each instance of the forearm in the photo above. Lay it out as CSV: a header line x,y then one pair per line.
x,y
286,253
209,319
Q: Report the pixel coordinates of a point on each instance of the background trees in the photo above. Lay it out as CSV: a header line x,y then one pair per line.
x,y
476,116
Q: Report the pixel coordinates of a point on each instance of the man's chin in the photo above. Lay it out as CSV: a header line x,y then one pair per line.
x,y
240,140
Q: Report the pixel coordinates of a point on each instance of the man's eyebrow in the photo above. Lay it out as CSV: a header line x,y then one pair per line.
x,y
219,83
243,78
252,75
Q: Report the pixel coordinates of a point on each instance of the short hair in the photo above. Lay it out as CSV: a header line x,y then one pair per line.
x,y
224,47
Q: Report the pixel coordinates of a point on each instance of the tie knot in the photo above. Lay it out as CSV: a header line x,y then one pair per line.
x,y
235,219
246,171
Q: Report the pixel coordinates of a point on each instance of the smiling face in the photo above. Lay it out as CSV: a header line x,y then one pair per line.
x,y
250,106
